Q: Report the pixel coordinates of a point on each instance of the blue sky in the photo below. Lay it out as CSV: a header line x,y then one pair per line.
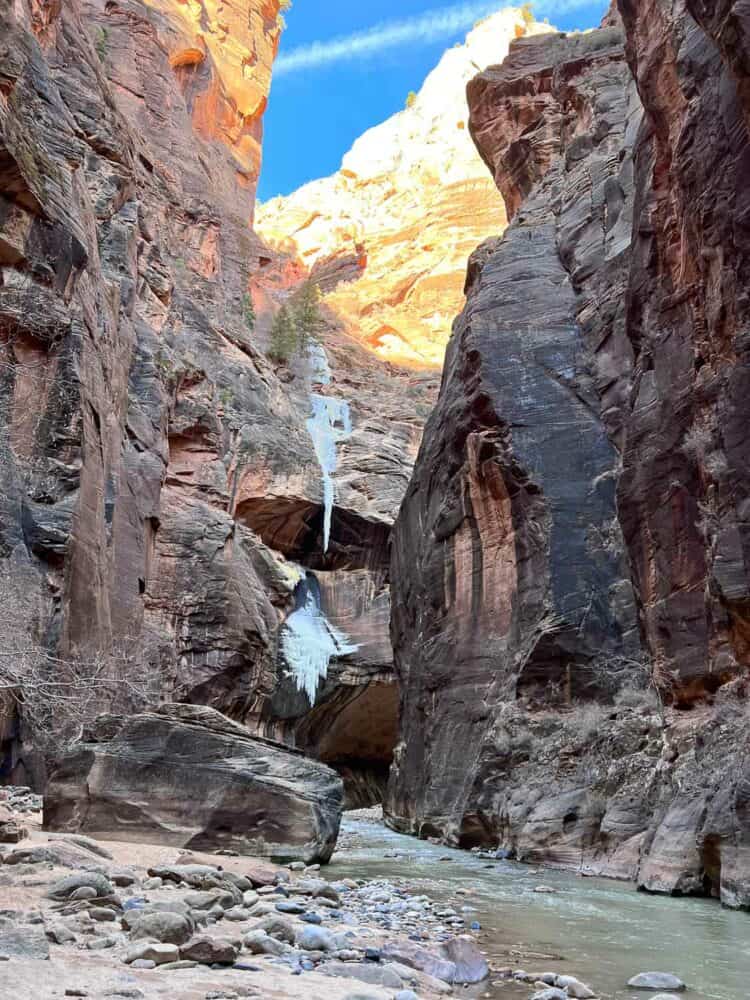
x,y
345,65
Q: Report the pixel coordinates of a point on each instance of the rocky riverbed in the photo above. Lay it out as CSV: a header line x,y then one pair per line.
x,y
86,918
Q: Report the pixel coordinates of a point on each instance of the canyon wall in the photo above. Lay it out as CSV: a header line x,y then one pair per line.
x,y
164,488
569,561
409,204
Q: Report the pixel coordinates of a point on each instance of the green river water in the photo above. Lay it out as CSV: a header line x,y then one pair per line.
x,y
602,931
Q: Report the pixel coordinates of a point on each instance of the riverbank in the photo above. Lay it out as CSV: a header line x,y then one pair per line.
x,y
390,917
121,920
601,931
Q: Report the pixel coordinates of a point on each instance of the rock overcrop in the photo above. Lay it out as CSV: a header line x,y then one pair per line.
x,y
216,786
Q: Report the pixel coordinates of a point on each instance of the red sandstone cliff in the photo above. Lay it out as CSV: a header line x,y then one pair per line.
x,y
150,454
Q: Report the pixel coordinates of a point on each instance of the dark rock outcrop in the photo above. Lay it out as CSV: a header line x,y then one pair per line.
x,y
508,559
189,777
575,537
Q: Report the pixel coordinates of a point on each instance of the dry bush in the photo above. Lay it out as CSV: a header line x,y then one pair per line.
x,y
56,696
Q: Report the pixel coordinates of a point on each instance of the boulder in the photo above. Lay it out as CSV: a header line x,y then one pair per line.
x,y
169,928
365,972
471,966
65,887
413,955
186,776
656,981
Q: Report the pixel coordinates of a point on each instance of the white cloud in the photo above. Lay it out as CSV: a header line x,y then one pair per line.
x,y
431,26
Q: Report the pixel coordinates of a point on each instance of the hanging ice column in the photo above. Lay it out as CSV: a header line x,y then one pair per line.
x,y
309,641
329,424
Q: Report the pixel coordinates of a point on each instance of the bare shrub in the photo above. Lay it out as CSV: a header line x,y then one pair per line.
x,y
637,697
698,441
587,718
56,696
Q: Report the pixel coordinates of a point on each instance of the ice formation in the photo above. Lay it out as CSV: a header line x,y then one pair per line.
x,y
309,641
329,424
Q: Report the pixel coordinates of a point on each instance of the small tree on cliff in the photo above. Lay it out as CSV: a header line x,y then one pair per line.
x,y
283,336
248,311
306,315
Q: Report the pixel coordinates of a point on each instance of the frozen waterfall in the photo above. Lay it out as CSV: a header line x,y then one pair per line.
x,y
309,641
329,424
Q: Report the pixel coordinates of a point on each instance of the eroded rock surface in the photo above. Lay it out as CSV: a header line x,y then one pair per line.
x,y
188,777
575,529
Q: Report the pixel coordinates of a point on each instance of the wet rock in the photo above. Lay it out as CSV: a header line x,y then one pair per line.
x,y
656,981
102,914
575,988
104,778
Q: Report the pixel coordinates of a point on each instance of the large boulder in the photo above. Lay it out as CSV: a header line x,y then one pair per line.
x,y
187,776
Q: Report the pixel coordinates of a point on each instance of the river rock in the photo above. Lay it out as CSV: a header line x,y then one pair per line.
x,y
277,927
411,954
553,993
149,951
656,981
574,987
470,965
260,943
169,928
313,938
209,951
209,769
365,972
65,887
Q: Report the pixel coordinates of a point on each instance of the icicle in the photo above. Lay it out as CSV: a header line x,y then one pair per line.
x,y
309,641
329,424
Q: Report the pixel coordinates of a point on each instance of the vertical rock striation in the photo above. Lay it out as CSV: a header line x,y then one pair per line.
x,y
508,557
576,524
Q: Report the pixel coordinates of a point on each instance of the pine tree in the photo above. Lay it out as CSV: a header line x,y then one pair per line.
x,y
283,336
306,314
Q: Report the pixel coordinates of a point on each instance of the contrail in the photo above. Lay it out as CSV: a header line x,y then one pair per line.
x,y
431,26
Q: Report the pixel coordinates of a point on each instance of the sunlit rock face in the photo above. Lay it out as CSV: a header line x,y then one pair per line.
x,y
389,234
222,52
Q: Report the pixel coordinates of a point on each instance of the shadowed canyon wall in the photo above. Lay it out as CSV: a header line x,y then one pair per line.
x,y
571,543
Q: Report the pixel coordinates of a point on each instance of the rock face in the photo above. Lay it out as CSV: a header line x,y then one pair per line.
x,y
573,533
388,235
189,777
162,497
508,558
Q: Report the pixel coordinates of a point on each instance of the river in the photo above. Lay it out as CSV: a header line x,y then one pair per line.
x,y
600,930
